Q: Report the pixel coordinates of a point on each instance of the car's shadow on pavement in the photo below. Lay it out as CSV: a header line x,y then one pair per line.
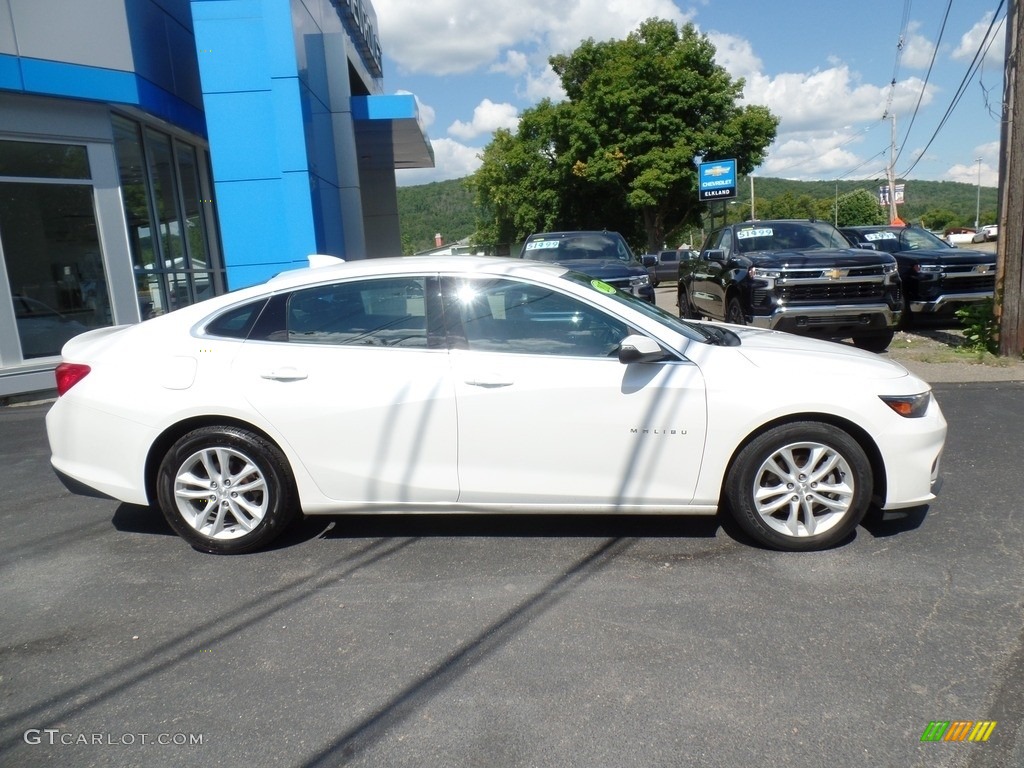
x,y
132,518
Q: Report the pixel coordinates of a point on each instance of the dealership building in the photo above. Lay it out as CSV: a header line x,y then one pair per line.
x,y
157,152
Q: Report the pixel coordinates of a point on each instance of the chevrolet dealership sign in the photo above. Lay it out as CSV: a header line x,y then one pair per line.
x,y
717,180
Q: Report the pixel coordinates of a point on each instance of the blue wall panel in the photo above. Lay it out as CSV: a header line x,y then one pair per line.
x,y
10,73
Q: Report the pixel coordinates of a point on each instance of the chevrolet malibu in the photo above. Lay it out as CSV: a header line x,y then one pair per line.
x,y
464,384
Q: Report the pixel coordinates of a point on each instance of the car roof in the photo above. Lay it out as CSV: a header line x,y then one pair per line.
x,y
400,265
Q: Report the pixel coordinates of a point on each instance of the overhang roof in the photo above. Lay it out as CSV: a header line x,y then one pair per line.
x,y
389,131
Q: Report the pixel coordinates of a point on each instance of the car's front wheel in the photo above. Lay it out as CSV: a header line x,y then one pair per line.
x,y
686,309
874,342
226,490
800,486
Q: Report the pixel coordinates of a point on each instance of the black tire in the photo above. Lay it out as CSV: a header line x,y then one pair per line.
x,y
686,308
734,312
800,487
874,342
198,476
655,282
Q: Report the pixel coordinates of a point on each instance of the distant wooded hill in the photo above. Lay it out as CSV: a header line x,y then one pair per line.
x,y
446,207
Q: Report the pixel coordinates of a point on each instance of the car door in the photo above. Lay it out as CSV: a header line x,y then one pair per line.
x,y
549,417
706,289
358,384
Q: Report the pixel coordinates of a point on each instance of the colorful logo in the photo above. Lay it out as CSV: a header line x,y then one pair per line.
x,y
958,730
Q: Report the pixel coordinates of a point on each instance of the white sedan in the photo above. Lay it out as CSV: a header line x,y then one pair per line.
x,y
465,384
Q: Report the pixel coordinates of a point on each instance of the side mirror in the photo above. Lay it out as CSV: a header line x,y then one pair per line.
x,y
715,254
867,246
649,260
639,349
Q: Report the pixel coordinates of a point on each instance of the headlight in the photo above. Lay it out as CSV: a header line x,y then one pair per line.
x,y
765,274
640,281
908,406
927,268
888,269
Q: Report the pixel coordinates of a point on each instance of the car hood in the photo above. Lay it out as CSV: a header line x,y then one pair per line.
x,y
775,350
831,257
948,256
603,268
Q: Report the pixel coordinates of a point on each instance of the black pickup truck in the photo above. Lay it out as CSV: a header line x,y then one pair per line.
x,y
799,276
938,278
603,255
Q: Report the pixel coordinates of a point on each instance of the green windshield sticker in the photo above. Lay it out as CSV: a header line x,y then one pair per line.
x,y
602,286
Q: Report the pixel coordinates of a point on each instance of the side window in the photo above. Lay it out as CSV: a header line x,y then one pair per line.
x,y
523,318
236,323
726,242
383,312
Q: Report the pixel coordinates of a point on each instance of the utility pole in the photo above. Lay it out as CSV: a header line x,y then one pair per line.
x,y
890,173
1009,311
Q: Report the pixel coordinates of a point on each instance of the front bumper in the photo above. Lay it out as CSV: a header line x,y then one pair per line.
x,y
830,318
947,301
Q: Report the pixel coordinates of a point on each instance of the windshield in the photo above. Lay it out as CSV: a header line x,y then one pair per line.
x,y
690,331
592,245
788,236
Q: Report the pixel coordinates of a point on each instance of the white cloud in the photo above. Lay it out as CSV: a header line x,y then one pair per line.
x,y
487,118
456,36
918,50
975,39
452,160
516,64
968,172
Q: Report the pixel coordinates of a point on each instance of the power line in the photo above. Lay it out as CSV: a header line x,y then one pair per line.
x,y
971,70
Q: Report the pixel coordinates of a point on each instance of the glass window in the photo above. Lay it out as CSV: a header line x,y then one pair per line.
x,y
385,312
523,318
168,231
53,262
236,323
35,159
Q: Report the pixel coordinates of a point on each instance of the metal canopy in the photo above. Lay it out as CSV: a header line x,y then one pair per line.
x,y
389,133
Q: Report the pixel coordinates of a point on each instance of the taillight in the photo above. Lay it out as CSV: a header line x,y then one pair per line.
x,y
69,374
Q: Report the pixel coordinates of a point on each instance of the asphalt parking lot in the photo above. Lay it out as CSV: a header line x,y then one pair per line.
x,y
504,641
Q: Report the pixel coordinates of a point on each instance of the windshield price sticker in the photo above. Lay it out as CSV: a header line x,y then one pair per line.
x,y
538,245
745,234
602,286
872,236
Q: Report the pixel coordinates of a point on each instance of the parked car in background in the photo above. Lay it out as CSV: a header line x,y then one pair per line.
x,y
937,278
466,384
601,254
959,236
794,275
664,265
986,234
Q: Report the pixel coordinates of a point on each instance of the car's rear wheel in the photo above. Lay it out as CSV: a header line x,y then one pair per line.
x,y
874,342
226,490
801,486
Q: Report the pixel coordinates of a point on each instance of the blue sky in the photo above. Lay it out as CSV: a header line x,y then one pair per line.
x,y
825,67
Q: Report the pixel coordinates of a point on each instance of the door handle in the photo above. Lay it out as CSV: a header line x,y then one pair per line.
x,y
489,382
287,373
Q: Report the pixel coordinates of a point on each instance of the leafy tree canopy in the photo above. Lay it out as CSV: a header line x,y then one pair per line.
x,y
620,152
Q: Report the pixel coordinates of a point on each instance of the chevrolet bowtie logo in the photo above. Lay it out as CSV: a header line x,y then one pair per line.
x,y
981,269
716,170
836,274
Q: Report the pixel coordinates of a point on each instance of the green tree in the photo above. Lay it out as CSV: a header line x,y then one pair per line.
x,y
619,153
856,208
